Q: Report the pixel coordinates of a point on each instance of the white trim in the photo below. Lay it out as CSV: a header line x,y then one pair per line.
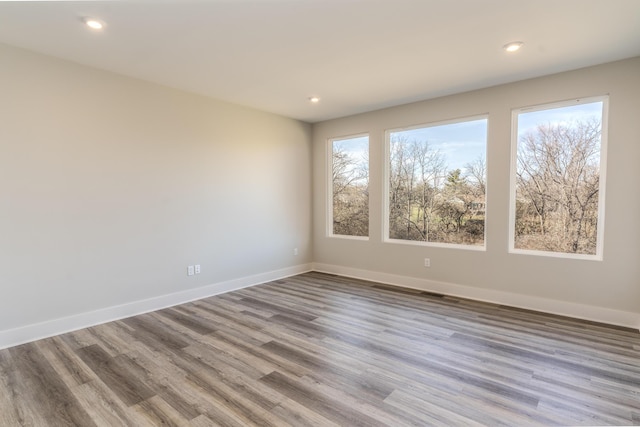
x,y
385,184
386,171
563,308
329,181
463,119
33,332
328,155
565,255
604,148
604,126
347,237
443,245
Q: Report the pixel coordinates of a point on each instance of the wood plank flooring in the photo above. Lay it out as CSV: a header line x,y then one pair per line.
x,y
323,350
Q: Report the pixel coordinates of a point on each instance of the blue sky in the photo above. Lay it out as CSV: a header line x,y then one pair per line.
x,y
464,142
460,143
528,121
358,147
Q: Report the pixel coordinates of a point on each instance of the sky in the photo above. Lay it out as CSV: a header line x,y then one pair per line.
x,y
460,143
528,121
464,142
358,146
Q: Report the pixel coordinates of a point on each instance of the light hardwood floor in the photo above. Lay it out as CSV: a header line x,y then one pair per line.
x,y
323,350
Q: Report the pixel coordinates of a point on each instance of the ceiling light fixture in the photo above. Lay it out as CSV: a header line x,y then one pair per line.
x,y
94,24
314,99
513,46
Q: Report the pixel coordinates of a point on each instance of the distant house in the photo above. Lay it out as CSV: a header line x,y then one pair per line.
x,y
478,204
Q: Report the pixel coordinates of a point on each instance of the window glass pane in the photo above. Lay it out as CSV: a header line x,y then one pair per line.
x,y
350,186
557,179
437,183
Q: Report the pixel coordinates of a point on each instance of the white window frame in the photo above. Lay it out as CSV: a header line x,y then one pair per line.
x,y
386,172
329,185
598,256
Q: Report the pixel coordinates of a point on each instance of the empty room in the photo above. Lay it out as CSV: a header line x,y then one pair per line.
x,y
320,212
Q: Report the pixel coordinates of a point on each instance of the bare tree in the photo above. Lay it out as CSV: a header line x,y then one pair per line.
x,y
414,173
557,183
427,202
476,173
350,178
455,201
432,168
400,189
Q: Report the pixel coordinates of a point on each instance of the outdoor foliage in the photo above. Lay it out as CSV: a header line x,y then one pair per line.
x,y
557,185
428,202
350,178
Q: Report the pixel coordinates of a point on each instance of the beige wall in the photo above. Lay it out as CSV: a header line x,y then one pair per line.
x,y
110,187
613,283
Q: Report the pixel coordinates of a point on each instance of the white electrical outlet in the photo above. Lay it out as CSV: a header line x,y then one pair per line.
x,y
295,251
190,270
427,262
197,268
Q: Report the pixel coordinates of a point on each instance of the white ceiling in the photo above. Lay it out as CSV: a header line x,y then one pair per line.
x,y
356,55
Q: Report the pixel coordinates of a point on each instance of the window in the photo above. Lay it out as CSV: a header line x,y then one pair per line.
x,y
436,183
557,179
349,195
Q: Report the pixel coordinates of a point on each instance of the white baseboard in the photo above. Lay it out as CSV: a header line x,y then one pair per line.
x,y
563,308
33,332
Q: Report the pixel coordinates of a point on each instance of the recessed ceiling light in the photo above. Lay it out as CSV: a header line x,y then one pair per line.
x,y
94,24
314,99
513,46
